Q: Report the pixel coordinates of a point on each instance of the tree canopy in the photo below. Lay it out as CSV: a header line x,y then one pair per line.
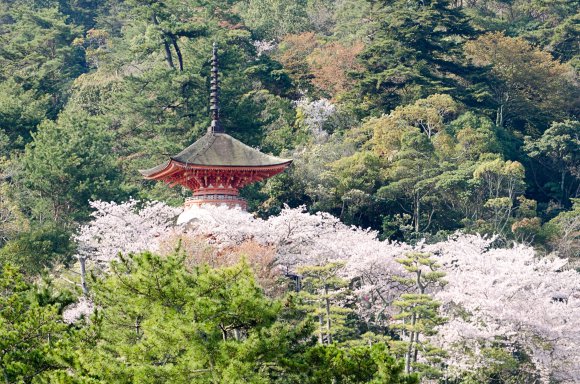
x,y
432,124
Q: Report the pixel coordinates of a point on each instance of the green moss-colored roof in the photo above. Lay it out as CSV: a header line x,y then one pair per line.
x,y
220,149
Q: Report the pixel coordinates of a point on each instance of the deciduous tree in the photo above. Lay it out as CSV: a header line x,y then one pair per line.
x,y
532,87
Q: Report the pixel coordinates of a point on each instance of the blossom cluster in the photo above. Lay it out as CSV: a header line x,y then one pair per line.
x,y
128,227
316,114
509,296
493,295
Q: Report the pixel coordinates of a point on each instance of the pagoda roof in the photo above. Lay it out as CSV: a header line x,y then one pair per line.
x,y
218,150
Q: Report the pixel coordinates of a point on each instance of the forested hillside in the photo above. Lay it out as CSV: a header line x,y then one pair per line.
x,y
413,118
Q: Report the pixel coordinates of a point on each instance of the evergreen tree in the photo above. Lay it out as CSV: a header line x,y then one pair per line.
x,y
160,322
35,249
418,316
529,87
37,60
31,331
69,163
361,364
564,232
416,49
322,288
272,19
558,149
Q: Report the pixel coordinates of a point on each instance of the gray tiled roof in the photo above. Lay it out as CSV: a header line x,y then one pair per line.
x,y
220,149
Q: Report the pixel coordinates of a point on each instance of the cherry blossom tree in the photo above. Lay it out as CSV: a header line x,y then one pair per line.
x,y
129,227
264,46
84,307
509,295
300,238
314,115
494,296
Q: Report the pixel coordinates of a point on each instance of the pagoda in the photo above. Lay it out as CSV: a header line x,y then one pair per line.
x,y
216,166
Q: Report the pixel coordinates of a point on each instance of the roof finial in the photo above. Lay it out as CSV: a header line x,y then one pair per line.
x,y
214,95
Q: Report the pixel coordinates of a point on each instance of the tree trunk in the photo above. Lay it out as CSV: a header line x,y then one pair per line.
x,y
321,326
410,347
416,347
417,212
408,354
320,323
137,326
168,56
82,262
177,51
328,321
563,186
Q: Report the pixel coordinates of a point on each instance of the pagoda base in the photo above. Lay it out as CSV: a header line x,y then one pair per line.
x,y
200,214
230,201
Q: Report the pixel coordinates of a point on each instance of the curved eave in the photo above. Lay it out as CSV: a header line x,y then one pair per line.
x,y
174,166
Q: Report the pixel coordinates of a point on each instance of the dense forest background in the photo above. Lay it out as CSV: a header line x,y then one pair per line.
x,y
415,118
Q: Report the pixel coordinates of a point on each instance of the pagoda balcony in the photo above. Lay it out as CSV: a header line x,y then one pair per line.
x,y
232,201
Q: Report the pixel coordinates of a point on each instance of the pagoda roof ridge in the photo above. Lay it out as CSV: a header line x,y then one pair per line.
x,y
219,149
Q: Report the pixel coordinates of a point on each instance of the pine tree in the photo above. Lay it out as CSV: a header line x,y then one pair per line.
x,y
418,316
37,61
322,288
415,51
69,163
160,322
31,331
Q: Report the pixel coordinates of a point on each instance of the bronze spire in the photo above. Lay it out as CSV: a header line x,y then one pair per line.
x,y
214,108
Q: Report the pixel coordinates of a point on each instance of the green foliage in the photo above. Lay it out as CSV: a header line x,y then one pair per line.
x,y
499,182
419,314
410,175
426,94
37,58
563,231
272,19
559,149
160,322
350,17
12,219
31,333
37,249
69,163
428,168
547,23
475,136
416,50
321,289
20,112
363,364
540,90
427,138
